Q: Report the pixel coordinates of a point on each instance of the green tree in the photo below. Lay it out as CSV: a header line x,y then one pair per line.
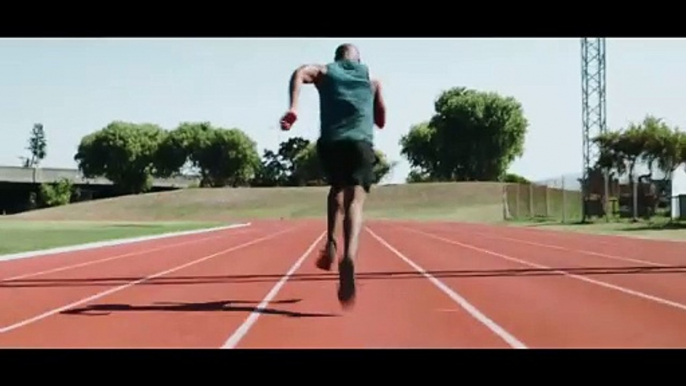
x,y
651,141
681,147
383,166
515,179
611,156
627,147
222,157
271,171
179,148
38,148
278,168
122,152
288,152
418,176
307,169
632,146
419,146
662,145
57,193
473,136
226,157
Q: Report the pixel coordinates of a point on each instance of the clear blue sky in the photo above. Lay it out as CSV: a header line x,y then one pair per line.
x,y
76,86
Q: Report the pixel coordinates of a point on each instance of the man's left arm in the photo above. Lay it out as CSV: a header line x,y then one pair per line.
x,y
379,105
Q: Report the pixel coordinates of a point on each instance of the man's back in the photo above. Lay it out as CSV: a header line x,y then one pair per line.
x,y
346,99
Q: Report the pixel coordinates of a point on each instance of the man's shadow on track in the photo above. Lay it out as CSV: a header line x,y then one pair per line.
x,y
215,306
251,306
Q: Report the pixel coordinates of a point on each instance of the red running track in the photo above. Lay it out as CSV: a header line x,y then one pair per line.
x,y
421,285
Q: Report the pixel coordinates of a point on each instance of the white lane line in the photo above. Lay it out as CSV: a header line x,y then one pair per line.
x,y
610,239
115,257
115,242
462,302
132,283
244,328
567,249
624,290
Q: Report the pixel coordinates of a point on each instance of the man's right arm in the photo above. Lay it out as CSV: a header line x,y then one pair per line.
x,y
379,105
306,74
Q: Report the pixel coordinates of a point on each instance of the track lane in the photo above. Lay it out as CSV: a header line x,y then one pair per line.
x,y
396,308
656,252
607,239
192,307
200,305
666,282
24,299
539,307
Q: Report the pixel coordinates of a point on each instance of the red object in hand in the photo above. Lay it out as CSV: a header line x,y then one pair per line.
x,y
288,119
379,117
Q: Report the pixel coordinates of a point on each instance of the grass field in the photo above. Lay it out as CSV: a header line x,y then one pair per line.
x,y
657,228
156,213
478,202
21,236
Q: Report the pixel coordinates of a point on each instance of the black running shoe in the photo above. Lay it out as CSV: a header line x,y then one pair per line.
x,y
327,256
346,289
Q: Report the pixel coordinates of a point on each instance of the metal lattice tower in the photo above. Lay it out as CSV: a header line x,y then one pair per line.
x,y
593,108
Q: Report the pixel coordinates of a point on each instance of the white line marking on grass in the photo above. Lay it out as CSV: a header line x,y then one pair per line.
x,y
473,311
243,329
115,242
115,257
624,290
132,283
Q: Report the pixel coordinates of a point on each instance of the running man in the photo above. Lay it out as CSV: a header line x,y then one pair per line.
x,y
350,105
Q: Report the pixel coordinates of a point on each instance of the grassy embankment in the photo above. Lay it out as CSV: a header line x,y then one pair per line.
x,y
192,208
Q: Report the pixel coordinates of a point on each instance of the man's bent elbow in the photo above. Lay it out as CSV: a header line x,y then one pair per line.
x,y
297,77
307,74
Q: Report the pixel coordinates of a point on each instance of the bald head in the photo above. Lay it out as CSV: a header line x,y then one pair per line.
x,y
347,52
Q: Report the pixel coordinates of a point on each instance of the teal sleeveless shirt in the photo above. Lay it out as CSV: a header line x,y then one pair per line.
x,y
346,102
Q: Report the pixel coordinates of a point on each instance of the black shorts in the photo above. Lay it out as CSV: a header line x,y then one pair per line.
x,y
347,163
